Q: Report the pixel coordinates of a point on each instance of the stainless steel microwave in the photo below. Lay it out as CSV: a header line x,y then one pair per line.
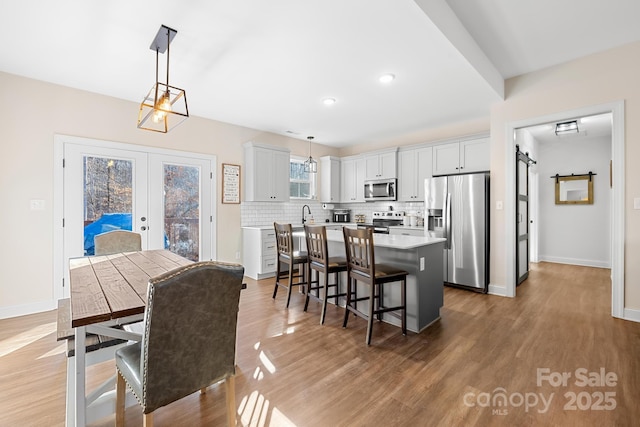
x,y
380,189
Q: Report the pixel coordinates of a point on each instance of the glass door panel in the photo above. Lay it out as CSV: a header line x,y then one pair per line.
x,y
108,197
182,210
182,205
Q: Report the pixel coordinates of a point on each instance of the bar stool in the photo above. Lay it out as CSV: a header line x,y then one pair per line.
x,y
286,255
321,262
361,267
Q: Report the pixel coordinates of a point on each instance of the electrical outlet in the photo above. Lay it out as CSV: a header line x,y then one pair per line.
x,y
421,263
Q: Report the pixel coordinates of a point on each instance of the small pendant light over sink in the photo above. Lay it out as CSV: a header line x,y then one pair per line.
x,y
165,106
310,165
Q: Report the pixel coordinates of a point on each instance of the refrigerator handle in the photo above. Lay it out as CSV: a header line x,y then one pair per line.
x,y
447,219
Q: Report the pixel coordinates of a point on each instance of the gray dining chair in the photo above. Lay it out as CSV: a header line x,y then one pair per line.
x,y
117,241
189,341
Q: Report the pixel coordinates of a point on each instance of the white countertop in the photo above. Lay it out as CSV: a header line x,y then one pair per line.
x,y
385,240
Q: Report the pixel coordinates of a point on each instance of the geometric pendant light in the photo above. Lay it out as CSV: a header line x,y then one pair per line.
x,y
165,106
310,165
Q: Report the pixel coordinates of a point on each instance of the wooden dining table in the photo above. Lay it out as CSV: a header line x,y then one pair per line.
x,y
106,292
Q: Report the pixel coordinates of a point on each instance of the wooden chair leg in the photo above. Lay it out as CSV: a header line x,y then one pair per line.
x,y
230,386
371,301
147,420
290,283
326,292
306,300
275,288
121,390
348,303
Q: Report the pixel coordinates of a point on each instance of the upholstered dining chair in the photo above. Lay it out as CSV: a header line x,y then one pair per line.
x,y
117,241
321,262
361,267
189,339
289,256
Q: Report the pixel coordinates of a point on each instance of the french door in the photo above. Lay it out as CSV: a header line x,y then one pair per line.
x,y
165,197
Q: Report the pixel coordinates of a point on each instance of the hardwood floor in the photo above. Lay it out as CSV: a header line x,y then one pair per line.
x,y
294,372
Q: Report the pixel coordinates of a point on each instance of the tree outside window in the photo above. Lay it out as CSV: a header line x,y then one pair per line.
x,y
302,185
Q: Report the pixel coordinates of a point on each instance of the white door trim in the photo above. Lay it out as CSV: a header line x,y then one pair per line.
x,y
617,200
58,194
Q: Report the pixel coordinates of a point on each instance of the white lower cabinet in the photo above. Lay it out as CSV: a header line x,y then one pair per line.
x,y
259,252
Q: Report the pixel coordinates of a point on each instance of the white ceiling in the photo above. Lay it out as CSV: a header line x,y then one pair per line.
x,y
588,127
268,64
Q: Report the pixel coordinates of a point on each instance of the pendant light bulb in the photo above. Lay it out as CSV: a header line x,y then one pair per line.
x,y
310,165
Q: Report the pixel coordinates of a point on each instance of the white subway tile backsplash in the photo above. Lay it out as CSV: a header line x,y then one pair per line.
x,y
265,213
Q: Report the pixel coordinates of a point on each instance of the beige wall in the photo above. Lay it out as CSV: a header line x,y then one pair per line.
x,y
34,111
597,79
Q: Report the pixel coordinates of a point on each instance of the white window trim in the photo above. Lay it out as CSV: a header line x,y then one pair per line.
x,y
313,180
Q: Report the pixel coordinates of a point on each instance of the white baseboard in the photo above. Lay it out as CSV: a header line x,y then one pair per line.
x,y
497,290
631,314
576,261
23,310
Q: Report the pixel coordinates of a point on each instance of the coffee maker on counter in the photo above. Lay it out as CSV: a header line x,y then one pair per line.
x,y
341,215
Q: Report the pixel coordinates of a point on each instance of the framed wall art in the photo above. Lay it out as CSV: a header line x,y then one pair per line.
x,y
230,183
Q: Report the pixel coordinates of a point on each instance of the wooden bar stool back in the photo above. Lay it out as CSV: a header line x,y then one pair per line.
x,y
287,255
321,262
361,267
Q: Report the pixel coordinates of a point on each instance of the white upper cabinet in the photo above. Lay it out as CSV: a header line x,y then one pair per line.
x,y
381,165
461,157
475,155
329,179
266,176
352,175
414,166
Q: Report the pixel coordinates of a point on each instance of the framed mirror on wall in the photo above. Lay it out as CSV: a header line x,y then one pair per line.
x,y
574,189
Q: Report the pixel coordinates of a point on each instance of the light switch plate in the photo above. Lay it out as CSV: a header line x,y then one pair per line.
x,y
636,203
499,205
36,205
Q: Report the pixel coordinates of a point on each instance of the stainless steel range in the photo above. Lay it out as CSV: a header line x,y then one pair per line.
x,y
383,220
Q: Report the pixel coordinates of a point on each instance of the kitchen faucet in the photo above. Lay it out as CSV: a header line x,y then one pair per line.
x,y
308,210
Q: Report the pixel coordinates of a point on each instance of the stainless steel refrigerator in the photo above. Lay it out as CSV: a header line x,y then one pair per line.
x,y
457,208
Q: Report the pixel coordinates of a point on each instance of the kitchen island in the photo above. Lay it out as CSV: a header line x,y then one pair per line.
x,y
421,257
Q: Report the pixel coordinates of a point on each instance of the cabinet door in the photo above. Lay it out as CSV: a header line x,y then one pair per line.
x,y
474,155
330,182
360,170
424,170
348,190
352,173
279,176
262,179
446,159
387,165
407,176
372,165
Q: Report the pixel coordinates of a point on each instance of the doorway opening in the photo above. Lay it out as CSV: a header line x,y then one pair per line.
x,y
615,207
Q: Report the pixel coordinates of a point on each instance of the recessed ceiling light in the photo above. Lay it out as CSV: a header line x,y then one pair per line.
x,y
329,101
386,78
